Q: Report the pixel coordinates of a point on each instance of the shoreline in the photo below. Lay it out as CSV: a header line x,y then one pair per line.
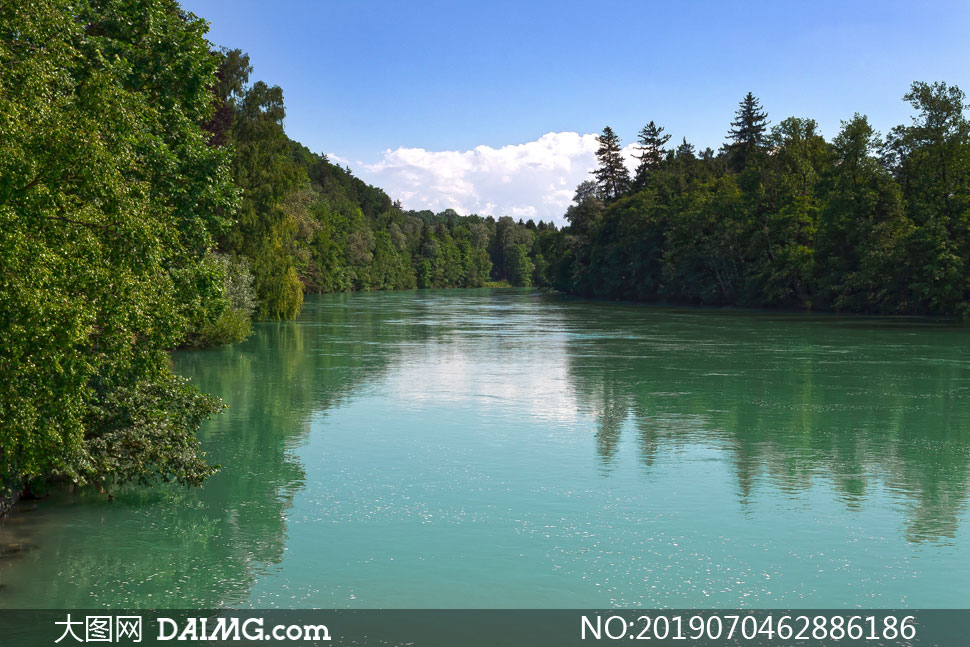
x,y
8,501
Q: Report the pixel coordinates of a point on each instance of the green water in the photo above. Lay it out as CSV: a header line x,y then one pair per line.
x,y
510,449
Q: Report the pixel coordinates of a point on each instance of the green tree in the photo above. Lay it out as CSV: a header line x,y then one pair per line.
x,y
264,229
781,268
109,196
748,133
612,176
587,208
862,229
707,243
520,266
651,153
931,161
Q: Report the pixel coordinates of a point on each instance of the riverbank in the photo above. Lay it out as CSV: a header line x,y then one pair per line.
x,y
8,498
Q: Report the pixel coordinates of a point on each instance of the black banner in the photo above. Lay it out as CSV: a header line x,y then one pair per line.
x,y
473,628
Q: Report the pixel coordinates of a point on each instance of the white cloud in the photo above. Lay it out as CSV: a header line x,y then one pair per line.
x,y
532,180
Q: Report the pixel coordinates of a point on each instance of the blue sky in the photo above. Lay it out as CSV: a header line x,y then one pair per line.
x,y
375,83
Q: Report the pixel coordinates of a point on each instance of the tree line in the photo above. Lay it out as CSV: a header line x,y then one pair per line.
x,y
150,199
780,217
304,224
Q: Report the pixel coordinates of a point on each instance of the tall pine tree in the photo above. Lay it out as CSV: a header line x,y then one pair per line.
x,y
612,175
748,133
651,148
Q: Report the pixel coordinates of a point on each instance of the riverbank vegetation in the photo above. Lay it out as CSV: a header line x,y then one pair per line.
x,y
150,199
780,217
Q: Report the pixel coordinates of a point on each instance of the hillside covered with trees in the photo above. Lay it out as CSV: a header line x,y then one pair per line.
x,y
780,217
306,225
150,199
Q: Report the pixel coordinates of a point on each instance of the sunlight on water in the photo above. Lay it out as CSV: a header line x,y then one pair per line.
x,y
505,448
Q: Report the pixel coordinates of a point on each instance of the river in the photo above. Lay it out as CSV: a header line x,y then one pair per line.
x,y
506,448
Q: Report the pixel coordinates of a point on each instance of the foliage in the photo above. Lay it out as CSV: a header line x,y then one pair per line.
x,y
231,321
144,434
109,197
748,132
150,198
650,152
612,175
306,224
782,218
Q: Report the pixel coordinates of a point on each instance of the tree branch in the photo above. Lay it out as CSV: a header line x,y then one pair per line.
x,y
77,222
32,182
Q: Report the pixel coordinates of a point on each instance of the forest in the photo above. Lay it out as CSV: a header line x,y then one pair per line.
x,y
151,200
779,217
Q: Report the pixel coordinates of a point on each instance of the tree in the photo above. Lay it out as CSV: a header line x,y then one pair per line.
x,y
931,161
109,198
231,79
748,132
587,190
585,213
651,153
931,157
685,150
511,245
787,215
861,263
612,175
520,266
265,228
785,219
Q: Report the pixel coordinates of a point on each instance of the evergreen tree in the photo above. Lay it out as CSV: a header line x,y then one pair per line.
x,y
685,150
612,175
651,148
748,132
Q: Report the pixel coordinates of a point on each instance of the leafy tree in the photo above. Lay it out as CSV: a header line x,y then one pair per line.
x,y
520,266
263,170
782,268
510,249
706,245
931,161
929,157
862,229
587,208
109,196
